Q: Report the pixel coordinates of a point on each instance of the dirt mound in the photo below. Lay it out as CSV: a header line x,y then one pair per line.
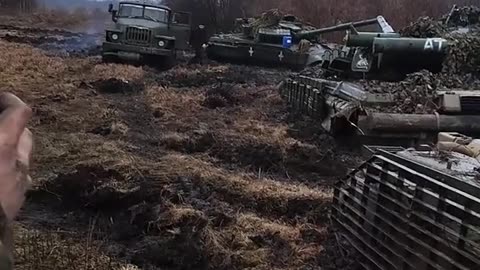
x,y
227,95
183,241
221,95
114,85
93,187
106,129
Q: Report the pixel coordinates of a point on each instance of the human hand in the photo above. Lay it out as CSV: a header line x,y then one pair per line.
x,y
15,150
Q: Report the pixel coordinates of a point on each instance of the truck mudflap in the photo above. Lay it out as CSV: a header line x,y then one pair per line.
x,y
403,209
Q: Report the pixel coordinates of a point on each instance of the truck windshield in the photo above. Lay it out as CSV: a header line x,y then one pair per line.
x,y
145,12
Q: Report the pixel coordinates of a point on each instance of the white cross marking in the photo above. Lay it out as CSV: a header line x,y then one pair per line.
x,y
251,51
280,56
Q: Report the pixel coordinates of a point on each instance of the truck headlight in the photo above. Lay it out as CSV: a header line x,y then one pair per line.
x,y
114,36
161,43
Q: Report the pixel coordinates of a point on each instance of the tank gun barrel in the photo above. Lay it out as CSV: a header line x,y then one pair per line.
x,y
394,43
345,26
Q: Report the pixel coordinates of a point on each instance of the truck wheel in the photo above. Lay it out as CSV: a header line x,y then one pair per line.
x,y
159,62
109,59
170,61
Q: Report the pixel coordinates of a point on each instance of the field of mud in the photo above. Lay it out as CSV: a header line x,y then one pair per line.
x,y
197,167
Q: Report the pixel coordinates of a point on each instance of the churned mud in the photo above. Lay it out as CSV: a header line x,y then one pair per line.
x,y
197,167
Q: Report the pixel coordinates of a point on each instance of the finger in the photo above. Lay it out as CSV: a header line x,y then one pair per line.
x,y
9,100
13,118
25,147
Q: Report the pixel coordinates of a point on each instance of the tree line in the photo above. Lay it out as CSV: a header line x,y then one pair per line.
x,y
18,5
220,14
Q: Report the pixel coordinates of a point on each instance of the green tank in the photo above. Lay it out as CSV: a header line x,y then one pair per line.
x,y
274,39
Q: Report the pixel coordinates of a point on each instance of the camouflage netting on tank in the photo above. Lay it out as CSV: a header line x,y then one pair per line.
x,y
463,57
425,27
462,29
461,70
270,18
463,17
417,92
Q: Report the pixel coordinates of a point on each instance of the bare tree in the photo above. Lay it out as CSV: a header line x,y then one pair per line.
x,y
219,15
18,5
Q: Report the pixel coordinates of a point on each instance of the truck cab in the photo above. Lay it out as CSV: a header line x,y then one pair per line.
x,y
145,31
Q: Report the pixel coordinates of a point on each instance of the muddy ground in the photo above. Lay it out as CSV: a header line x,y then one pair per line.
x,y
197,167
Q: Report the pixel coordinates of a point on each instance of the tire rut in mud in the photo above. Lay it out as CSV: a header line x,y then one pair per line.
x,y
54,42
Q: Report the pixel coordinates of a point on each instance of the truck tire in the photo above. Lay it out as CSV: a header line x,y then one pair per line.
x,y
109,59
170,61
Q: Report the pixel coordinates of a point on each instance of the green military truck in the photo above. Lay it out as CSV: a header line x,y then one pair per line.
x,y
145,31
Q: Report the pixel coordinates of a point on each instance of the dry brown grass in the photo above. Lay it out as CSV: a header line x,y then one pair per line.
x,y
252,187
246,132
61,250
186,205
119,71
78,19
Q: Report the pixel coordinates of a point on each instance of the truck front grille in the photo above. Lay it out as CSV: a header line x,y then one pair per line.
x,y
138,36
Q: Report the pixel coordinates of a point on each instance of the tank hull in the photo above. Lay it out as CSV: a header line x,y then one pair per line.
x,y
257,54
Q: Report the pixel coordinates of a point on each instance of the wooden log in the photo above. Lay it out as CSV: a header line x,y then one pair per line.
x,y
411,123
460,123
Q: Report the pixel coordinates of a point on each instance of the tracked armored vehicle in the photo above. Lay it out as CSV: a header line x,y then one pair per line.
x,y
415,208
345,109
371,47
280,40
145,31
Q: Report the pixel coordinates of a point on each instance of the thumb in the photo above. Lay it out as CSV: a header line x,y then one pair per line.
x,y
25,147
